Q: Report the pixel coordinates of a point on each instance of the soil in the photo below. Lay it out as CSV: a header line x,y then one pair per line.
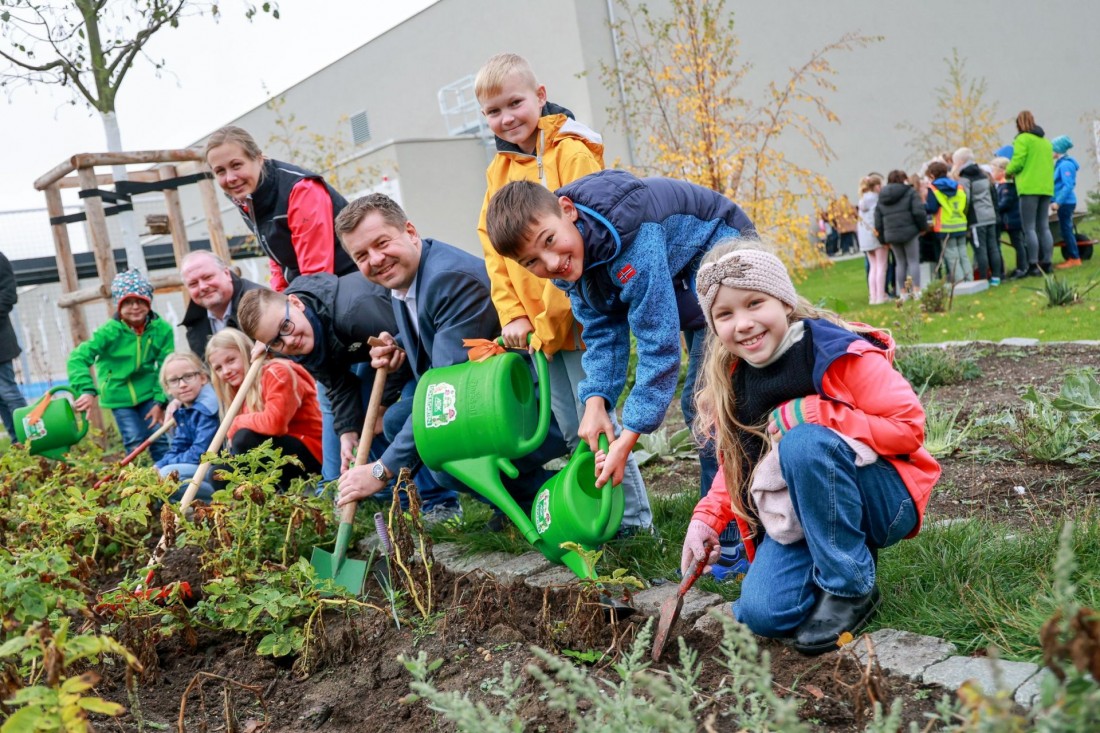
x,y
352,680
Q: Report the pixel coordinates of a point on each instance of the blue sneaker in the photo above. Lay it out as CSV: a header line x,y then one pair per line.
x,y
731,564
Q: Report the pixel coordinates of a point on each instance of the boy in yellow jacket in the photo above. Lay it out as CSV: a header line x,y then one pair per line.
x,y
540,141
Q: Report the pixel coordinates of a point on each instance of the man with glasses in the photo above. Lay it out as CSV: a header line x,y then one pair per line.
x,y
215,292
323,322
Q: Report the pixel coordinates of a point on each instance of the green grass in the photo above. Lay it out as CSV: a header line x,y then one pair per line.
x,y
1002,312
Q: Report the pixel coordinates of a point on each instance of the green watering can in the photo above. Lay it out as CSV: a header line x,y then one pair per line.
x,y
472,419
50,427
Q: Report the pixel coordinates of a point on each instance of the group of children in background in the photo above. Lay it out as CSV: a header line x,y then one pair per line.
x,y
811,443
955,200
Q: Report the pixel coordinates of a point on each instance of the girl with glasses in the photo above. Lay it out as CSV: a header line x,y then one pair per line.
x,y
183,376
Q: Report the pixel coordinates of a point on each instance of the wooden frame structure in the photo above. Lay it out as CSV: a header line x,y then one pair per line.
x,y
175,168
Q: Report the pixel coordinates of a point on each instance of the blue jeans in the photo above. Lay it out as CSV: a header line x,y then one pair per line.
x,y
1065,223
987,251
844,509
566,374
330,441
432,494
11,399
134,428
708,462
186,473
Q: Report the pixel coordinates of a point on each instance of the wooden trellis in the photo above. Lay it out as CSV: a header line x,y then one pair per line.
x,y
174,168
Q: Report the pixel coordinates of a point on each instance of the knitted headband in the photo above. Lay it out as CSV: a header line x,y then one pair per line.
x,y
131,284
747,269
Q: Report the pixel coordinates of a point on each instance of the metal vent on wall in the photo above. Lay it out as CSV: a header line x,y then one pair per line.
x,y
360,128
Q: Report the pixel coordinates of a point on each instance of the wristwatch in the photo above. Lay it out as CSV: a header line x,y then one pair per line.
x,y
378,471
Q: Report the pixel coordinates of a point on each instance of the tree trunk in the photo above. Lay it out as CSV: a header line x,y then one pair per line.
x,y
127,220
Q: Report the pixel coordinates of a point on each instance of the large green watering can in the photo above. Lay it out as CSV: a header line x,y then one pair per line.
x,y
472,419
50,427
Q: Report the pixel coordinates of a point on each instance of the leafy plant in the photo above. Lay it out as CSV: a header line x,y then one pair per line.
x,y
935,297
942,433
666,446
1060,291
1080,393
52,699
1048,434
931,367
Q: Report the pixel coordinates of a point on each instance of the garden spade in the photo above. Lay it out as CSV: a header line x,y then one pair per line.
x,y
670,609
215,446
345,572
132,455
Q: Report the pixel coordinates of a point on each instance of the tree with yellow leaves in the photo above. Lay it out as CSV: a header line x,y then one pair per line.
x,y
678,82
963,118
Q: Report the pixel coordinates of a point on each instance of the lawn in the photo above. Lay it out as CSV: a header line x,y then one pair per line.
x,y
1014,308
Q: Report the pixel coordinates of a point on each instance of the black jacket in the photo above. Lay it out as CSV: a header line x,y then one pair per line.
x,y
9,344
349,310
900,214
197,322
268,218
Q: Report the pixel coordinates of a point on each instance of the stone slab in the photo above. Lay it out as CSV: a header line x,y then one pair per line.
x,y
903,652
1018,341
953,671
504,567
555,575
696,602
1027,694
972,287
708,623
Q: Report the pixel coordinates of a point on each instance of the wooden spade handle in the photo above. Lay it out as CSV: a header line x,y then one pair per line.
x,y
366,437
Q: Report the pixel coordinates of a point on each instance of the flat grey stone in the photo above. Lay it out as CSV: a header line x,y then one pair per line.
x,y
1027,694
971,288
696,602
948,522
953,671
555,575
1085,342
903,652
1018,341
708,623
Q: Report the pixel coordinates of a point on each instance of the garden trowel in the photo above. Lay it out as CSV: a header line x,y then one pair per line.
x,y
344,571
670,609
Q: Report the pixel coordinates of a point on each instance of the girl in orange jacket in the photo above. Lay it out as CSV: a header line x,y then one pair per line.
x,y
782,375
281,406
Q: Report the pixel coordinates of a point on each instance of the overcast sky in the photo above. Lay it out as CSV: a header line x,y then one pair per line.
x,y
214,73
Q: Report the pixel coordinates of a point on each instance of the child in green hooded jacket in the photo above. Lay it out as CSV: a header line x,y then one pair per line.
x,y
127,352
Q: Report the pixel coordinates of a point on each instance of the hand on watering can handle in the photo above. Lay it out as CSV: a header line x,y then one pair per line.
x,y
84,402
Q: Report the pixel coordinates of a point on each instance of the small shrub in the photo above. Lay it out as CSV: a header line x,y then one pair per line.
x,y
925,367
1059,291
935,297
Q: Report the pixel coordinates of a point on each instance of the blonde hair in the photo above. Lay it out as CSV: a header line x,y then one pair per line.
x,y
235,135
869,183
186,356
1000,162
716,403
230,339
491,77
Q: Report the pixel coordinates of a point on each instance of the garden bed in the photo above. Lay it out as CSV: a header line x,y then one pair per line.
x,y
345,675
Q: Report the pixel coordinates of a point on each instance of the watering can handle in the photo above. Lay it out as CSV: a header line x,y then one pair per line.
x,y
605,495
40,408
542,369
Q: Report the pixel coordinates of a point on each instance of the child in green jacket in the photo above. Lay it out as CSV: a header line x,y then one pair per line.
x,y
127,352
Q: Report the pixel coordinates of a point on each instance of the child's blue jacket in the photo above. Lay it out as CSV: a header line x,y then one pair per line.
x,y
196,426
643,241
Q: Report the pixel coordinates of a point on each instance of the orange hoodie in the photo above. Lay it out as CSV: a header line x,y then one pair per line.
x,y
290,406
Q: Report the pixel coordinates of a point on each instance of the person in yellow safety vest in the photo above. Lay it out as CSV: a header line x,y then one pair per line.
x,y
946,202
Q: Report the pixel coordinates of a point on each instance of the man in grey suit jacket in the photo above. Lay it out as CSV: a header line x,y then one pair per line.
x,y
440,295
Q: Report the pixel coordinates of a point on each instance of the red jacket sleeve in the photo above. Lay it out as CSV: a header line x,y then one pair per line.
x,y
279,386
278,282
715,509
870,401
310,218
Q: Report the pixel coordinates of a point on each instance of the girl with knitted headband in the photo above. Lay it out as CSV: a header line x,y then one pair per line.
x,y
821,443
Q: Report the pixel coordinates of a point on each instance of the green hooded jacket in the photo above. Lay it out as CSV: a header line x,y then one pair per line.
x,y
1032,164
127,365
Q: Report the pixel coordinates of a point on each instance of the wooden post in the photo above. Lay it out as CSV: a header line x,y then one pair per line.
x,y
101,241
180,243
66,266
219,245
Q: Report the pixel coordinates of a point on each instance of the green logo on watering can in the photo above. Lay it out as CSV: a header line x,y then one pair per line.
x,y
439,405
542,512
34,430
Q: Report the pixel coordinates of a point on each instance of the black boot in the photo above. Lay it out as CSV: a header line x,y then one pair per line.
x,y
1034,271
831,617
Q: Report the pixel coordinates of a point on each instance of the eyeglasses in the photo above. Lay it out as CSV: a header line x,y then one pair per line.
x,y
183,379
286,328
